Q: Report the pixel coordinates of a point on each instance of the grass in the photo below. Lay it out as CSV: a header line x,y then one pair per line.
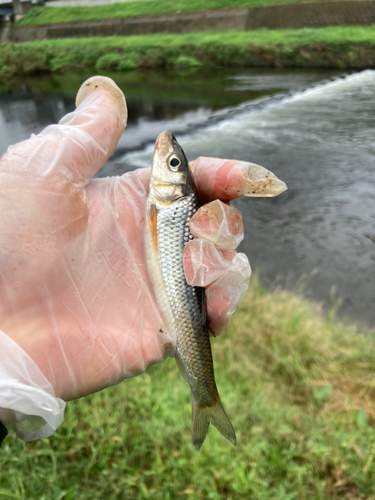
x,y
332,47
299,388
47,15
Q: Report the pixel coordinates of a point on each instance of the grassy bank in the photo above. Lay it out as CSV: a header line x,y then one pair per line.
x,y
47,15
332,47
300,390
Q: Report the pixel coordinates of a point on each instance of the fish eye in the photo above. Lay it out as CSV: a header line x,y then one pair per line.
x,y
174,163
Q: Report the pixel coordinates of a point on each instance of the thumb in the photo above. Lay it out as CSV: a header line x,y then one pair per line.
x,y
79,145
101,114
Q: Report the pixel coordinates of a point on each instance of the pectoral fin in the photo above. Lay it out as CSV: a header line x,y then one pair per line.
x,y
181,369
153,222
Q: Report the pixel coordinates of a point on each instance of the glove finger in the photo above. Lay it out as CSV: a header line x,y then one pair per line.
x,y
230,179
82,141
224,294
218,223
217,326
204,263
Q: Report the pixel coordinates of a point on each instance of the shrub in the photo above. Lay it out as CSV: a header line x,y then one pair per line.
x,y
127,64
187,61
108,61
153,57
6,70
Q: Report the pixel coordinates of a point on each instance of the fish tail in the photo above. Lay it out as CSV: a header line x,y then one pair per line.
x,y
201,418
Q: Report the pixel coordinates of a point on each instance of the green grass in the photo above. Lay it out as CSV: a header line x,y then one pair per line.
x,y
342,47
300,391
47,15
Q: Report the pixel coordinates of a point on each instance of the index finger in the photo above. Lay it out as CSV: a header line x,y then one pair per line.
x,y
229,179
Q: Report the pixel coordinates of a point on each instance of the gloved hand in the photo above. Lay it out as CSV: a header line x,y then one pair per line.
x,y
75,296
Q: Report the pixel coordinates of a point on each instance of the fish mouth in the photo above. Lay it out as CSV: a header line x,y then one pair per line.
x,y
165,143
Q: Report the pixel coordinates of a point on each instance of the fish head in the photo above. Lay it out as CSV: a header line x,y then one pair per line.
x,y
171,178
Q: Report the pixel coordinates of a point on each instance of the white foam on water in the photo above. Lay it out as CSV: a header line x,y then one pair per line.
x,y
144,129
275,121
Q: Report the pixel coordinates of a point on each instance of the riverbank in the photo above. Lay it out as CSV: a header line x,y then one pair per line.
x,y
273,17
299,388
333,47
48,15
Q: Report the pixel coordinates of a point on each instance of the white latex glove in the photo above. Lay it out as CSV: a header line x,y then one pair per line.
x,y
75,297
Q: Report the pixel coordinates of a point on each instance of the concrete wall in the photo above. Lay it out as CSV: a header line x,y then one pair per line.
x,y
15,7
184,22
312,15
329,13
5,30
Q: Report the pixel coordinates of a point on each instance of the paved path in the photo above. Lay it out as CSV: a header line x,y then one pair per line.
x,y
85,3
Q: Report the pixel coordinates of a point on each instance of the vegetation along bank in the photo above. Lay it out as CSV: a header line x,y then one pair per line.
x,y
298,386
47,15
331,47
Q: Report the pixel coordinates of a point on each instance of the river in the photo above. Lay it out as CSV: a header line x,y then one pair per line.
x,y
314,129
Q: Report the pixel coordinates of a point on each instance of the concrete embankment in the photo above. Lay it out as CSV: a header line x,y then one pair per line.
x,y
302,15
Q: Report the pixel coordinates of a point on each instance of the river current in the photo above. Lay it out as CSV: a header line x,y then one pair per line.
x,y
314,130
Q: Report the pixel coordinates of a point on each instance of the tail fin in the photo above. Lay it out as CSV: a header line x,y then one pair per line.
x,y
201,419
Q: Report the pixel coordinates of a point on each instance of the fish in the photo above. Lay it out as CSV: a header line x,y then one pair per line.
x,y
172,202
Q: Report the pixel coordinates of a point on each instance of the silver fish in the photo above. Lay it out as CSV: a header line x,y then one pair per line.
x,y
172,202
